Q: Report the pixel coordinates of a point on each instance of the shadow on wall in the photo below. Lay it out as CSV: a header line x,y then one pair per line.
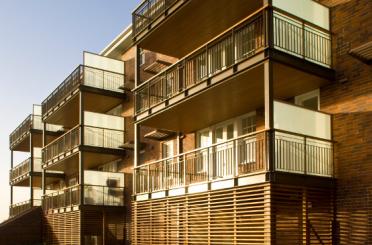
x,y
353,161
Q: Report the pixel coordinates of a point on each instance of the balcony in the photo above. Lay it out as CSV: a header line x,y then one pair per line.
x,y
21,207
20,173
301,146
233,62
102,85
166,26
109,141
100,189
242,156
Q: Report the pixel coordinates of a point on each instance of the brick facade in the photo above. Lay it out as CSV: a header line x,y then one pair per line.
x,y
349,100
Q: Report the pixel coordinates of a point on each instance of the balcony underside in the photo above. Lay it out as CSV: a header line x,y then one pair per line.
x,y
66,113
23,144
194,23
92,158
232,92
24,181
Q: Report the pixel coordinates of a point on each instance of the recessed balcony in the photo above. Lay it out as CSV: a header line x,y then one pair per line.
x,y
175,27
234,62
300,144
99,189
19,139
103,137
103,81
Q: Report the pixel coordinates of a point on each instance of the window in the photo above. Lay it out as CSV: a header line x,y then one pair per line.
x,y
248,124
167,149
142,57
310,100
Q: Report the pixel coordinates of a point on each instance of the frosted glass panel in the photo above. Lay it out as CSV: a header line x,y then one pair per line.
x,y
307,10
104,63
300,120
36,110
103,178
103,120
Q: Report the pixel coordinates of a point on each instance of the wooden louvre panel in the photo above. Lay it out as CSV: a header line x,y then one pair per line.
x,y
62,228
302,215
231,216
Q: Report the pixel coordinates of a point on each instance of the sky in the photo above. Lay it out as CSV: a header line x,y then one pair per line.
x,y
41,42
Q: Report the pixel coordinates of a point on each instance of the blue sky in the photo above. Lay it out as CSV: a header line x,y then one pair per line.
x,y
41,42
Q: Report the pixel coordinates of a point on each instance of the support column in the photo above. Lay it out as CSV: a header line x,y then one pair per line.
x,y
81,141
43,171
11,186
31,169
137,127
269,112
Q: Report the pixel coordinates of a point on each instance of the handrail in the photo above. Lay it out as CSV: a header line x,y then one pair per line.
x,y
238,43
70,196
206,147
74,80
197,50
60,137
22,128
246,154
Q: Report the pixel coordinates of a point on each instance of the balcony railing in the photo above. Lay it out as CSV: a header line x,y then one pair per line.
x,y
293,36
31,122
93,136
21,207
237,157
93,195
25,168
147,12
83,75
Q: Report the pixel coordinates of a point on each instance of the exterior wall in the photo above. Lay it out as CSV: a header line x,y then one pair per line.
x,y
62,228
351,105
23,229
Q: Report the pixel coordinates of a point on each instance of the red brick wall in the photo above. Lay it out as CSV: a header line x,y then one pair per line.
x,y
351,105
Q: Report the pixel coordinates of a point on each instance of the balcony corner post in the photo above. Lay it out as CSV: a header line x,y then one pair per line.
x,y
269,113
81,139
42,161
31,169
11,186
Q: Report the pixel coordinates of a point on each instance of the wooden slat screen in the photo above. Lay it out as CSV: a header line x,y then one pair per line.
x,y
231,216
302,215
62,228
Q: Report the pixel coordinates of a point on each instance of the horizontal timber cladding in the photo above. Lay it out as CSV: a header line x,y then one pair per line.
x,y
239,215
70,227
302,215
62,228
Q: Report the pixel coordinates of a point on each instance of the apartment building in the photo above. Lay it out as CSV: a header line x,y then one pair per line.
x,y
207,122
258,134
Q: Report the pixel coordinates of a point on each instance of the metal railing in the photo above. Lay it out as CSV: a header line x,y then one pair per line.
x,y
83,75
31,122
300,39
237,157
239,43
63,144
147,12
93,136
235,45
21,207
24,168
93,195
